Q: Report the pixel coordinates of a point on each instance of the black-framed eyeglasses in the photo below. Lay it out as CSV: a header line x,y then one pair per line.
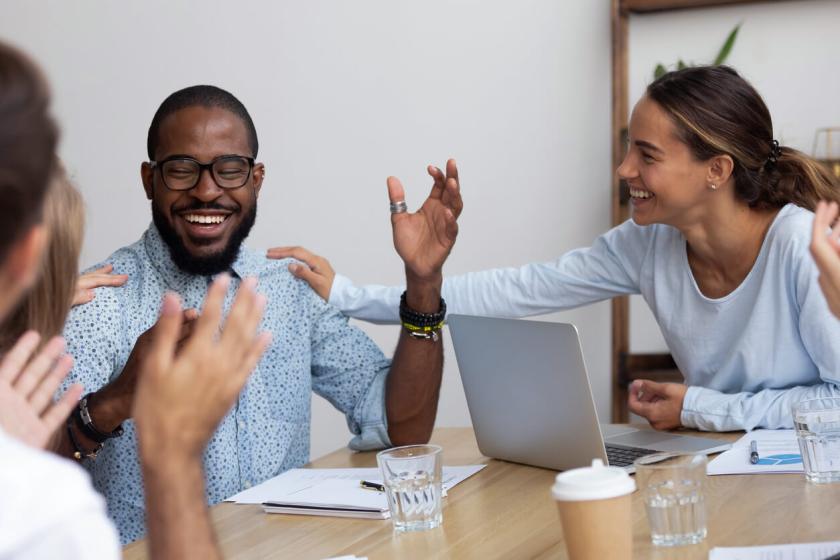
x,y
181,173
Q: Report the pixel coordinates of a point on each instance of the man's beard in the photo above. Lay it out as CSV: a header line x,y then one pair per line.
x,y
209,265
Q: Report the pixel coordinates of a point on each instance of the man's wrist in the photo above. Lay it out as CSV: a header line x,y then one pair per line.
x,y
105,412
423,294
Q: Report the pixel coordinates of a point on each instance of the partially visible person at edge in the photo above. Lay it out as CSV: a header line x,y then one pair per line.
x,y
49,509
203,180
717,246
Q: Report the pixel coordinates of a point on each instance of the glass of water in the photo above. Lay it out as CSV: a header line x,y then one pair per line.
x,y
817,423
412,478
672,488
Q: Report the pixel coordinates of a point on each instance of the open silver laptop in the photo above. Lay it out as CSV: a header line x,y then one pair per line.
x,y
530,400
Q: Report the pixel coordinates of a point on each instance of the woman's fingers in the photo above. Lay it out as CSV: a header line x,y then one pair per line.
x,y
16,359
39,367
43,393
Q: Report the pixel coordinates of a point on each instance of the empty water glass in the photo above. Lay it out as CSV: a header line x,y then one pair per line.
x,y
817,423
672,488
412,478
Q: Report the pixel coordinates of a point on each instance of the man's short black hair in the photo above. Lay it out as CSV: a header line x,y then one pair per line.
x,y
201,96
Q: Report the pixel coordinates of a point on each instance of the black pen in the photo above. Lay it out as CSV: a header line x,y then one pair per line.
x,y
753,452
371,486
834,557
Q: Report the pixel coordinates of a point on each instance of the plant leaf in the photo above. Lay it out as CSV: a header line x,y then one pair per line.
x,y
727,46
681,65
659,71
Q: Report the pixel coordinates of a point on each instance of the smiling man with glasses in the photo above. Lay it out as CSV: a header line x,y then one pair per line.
x,y
203,181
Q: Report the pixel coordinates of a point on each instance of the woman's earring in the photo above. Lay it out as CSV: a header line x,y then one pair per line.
x,y
713,187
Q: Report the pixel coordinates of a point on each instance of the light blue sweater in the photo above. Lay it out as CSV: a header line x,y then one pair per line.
x,y
746,357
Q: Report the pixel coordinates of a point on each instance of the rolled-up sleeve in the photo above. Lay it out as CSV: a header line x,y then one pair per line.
x,y
350,371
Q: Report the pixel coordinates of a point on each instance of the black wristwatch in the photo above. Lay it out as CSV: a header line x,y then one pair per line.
x,y
85,423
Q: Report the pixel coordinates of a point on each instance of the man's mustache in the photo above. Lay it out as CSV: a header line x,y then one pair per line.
x,y
206,206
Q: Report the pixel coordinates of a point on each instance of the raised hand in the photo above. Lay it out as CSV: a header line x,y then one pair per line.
x,y
424,239
182,396
28,381
95,279
825,248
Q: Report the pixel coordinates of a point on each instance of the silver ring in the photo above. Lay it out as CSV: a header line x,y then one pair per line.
x,y
399,207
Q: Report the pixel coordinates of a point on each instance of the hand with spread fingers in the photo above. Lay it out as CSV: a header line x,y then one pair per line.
x,y
28,380
96,279
424,239
316,270
825,248
660,404
182,394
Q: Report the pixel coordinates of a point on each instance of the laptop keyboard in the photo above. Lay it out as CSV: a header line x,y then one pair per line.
x,y
619,456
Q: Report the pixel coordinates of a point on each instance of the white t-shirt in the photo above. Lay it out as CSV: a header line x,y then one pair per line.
x,y
48,508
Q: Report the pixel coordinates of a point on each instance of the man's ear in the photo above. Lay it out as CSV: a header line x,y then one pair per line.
x,y
147,174
259,175
22,264
720,169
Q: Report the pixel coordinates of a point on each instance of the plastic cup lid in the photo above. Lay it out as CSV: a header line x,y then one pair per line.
x,y
597,482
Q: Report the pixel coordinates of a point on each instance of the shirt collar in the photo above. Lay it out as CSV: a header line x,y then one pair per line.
x,y
247,263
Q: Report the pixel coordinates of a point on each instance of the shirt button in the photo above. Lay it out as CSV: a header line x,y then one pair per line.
x,y
241,423
247,484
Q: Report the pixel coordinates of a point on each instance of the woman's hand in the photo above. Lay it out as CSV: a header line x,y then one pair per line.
x,y
317,272
28,381
95,279
659,403
825,247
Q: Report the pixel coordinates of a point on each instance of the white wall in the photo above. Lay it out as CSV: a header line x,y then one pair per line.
x,y
790,52
344,94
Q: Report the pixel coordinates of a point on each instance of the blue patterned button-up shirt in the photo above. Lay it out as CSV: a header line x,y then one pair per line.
x,y
267,431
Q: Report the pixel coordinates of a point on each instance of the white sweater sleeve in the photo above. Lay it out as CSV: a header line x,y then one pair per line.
x,y
610,267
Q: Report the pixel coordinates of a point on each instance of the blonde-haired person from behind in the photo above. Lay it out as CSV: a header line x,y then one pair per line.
x,y
717,246
45,307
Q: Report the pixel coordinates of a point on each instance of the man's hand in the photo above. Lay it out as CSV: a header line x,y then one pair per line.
x,y
424,239
182,395
112,404
825,247
317,272
96,279
660,403
27,385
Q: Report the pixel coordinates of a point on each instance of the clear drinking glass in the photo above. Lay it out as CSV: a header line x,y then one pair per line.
x,y
412,478
817,423
672,488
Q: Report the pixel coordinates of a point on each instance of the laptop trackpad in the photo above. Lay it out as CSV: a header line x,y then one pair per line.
x,y
641,438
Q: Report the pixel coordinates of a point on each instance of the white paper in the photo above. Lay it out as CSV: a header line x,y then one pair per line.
x,y
778,452
803,551
297,480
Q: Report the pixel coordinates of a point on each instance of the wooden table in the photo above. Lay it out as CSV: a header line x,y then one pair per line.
x,y
506,511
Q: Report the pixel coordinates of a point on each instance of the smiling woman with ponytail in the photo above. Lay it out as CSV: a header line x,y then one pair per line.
x,y
717,246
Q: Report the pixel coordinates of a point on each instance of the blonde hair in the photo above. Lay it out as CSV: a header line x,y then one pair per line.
x,y
44,309
717,112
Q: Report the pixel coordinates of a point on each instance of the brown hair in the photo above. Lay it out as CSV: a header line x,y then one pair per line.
x,y
45,307
28,137
716,112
